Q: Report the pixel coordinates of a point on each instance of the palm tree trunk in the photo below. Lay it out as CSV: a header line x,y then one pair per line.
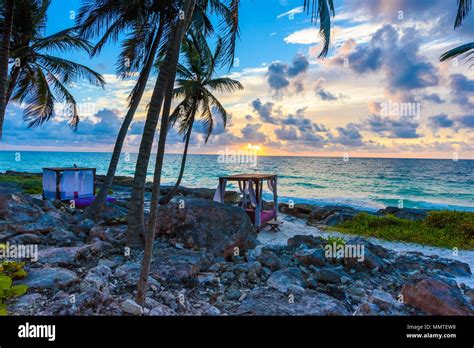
x,y
11,85
136,224
150,235
174,190
4,55
96,206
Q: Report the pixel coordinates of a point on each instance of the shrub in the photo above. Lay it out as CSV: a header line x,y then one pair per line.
x,y
28,184
10,270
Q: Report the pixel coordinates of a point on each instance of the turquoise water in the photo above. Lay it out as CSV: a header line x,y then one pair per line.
x,y
358,182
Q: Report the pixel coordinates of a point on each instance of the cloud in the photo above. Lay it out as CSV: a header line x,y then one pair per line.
x,y
466,121
461,90
433,97
348,135
251,133
440,121
322,93
299,65
276,76
387,127
265,111
286,133
279,73
293,11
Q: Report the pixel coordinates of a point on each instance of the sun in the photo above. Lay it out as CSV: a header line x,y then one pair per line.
x,y
251,147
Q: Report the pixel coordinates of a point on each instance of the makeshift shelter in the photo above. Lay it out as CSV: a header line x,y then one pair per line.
x,y
251,187
68,183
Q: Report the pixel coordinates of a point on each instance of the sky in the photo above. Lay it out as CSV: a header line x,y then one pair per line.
x,y
380,92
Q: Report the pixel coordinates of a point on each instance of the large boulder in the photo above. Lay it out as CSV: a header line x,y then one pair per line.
x,y
287,279
268,301
49,278
436,297
203,223
16,208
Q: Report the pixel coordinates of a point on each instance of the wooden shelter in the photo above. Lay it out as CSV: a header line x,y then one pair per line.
x,y
251,187
68,183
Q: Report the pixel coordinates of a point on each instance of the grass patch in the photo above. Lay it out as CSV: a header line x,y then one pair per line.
x,y
28,184
446,229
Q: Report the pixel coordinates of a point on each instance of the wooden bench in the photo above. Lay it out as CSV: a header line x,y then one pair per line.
x,y
274,225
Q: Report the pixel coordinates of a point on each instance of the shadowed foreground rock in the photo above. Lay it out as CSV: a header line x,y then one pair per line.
x,y
206,224
267,301
436,297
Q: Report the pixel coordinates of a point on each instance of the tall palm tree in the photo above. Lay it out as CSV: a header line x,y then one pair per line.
x,y
195,86
6,12
318,9
38,77
163,91
464,7
138,19
139,52
324,9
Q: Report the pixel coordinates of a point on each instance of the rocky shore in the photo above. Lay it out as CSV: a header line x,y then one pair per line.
x,y
208,260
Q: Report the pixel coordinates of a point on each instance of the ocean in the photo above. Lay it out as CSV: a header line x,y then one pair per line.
x,y
365,183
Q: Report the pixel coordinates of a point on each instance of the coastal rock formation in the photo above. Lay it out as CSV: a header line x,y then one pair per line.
x,y
202,223
331,215
435,296
405,213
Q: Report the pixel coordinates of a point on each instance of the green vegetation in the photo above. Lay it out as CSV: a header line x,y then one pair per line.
x,y
28,184
338,240
449,229
9,271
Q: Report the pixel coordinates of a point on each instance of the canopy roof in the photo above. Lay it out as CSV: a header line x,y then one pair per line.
x,y
245,177
61,169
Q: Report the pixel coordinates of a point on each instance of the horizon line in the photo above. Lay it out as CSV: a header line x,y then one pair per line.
x,y
208,154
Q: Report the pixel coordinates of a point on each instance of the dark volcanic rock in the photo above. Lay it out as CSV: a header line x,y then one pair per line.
x,y
270,259
268,301
16,208
286,279
310,241
435,296
175,266
214,226
405,213
311,256
331,215
48,277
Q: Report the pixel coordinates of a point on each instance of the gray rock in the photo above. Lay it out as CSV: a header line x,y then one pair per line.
x,y
162,310
270,259
131,307
61,256
268,301
174,266
383,299
329,275
232,294
283,279
16,208
129,271
48,277
311,257
219,228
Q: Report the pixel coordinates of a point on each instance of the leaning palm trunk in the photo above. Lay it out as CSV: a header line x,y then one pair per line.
x,y
4,55
150,235
96,206
174,190
136,224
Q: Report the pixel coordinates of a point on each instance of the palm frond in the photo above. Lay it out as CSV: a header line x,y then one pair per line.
x,y
457,51
464,7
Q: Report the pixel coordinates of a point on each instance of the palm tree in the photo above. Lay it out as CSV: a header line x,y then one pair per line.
x,y
139,19
195,86
464,7
39,78
7,11
319,9
163,91
324,9
143,40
